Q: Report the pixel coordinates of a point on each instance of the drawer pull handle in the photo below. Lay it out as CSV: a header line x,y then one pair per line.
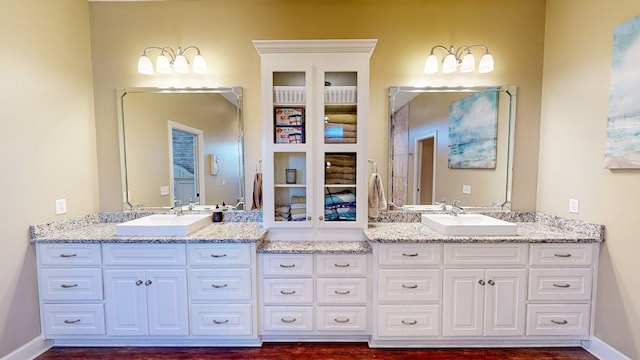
x,y
139,282
562,255
414,286
218,256
409,322
562,322
341,265
341,321
291,292
410,255
219,286
481,282
72,321
288,321
220,322
562,285
287,266
65,286
68,255
337,292
148,282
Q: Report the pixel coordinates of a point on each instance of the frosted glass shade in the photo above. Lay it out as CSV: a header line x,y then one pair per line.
x,y
486,64
181,65
162,65
431,65
449,64
144,65
199,65
468,63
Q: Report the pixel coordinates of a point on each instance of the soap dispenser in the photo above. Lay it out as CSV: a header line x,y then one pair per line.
x,y
217,214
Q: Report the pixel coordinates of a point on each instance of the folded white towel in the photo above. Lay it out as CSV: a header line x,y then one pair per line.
x,y
377,200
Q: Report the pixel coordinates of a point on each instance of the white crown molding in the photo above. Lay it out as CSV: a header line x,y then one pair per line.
x,y
315,46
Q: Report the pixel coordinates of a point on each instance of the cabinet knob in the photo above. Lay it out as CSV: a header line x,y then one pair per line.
x,y
139,282
72,321
286,266
220,322
561,322
218,256
219,286
148,282
284,292
337,292
410,255
413,322
341,265
288,321
409,286
564,286
491,282
66,286
309,218
562,255
320,218
341,321
481,282
68,255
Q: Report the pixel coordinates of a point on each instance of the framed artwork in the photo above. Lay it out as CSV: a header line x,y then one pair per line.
x,y
622,149
473,129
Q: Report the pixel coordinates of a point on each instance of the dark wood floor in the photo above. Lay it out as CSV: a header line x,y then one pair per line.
x,y
313,351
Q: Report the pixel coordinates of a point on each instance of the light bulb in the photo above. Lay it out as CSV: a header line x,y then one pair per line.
x,y
181,65
431,64
449,64
144,65
162,65
468,63
486,64
199,65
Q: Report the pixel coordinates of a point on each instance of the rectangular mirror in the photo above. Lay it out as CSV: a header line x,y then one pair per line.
x,y
181,146
452,144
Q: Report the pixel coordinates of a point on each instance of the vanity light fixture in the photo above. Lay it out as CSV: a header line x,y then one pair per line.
x,y
459,58
169,59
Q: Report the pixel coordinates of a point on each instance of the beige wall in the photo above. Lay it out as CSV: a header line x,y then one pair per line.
x,y
406,30
577,69
47,143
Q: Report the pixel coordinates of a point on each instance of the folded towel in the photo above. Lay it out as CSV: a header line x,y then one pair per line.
x,y
340,170
298,199
340,140
344,127
377,200
340,197
257,192
342,118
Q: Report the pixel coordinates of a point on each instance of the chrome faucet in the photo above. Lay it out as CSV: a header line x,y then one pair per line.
x,y
442,203
177,208
455,209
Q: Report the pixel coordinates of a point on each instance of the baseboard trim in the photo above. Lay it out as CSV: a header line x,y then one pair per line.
x,y
602,350
30,350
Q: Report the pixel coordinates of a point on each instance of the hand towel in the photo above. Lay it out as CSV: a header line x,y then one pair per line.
x,y
377,200
257,192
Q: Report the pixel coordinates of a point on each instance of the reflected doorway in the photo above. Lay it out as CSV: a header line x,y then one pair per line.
x,y
425,168
187,163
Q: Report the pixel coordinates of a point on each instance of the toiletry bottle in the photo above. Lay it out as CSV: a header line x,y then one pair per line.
x,y
217,214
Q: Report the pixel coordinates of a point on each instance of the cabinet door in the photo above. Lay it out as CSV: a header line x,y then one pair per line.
x,y
125,302
463,302
167,302
505,308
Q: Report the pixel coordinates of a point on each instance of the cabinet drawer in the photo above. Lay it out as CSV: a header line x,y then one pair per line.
x,y
144,254
345,318
68,254
409,254
336,265
342,290
562,254
569,319
485,254
219,254
409,285
409,320
560,284
289,318
221,319
73,319
220,284
287,291
71,284
287,264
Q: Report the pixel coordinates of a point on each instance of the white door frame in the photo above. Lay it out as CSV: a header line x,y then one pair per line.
x,y
417,164
199,171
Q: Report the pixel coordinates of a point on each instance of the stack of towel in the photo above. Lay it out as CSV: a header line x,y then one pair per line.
x,y
283,213
340,128
298,208
339,206
340,169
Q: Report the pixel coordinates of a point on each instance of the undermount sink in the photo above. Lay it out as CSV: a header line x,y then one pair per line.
x,y
164,225
469,224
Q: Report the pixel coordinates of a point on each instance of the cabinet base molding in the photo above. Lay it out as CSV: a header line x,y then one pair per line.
x,y
316,338
160,342
473,343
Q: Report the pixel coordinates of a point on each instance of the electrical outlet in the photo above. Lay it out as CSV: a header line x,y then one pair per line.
x,y
61,206
466,189
574,206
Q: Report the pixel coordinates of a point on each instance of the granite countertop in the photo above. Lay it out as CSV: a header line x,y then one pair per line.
x,y
314,247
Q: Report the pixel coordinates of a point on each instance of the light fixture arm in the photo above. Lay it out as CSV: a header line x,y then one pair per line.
x,y
172,58
459,58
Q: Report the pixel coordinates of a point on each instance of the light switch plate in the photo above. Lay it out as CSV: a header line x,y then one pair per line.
x,y
574,206
164,190
61,206
466,189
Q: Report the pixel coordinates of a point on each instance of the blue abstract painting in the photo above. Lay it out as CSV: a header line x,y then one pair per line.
x,y
623,123
473,125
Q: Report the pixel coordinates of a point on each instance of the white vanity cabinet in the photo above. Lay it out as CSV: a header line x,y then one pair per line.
x,y
489,298
70,287
315,100
145,289
222,290
314,296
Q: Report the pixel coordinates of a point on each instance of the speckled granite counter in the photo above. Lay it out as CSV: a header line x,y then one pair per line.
x,y
101,228
532,228
314,247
